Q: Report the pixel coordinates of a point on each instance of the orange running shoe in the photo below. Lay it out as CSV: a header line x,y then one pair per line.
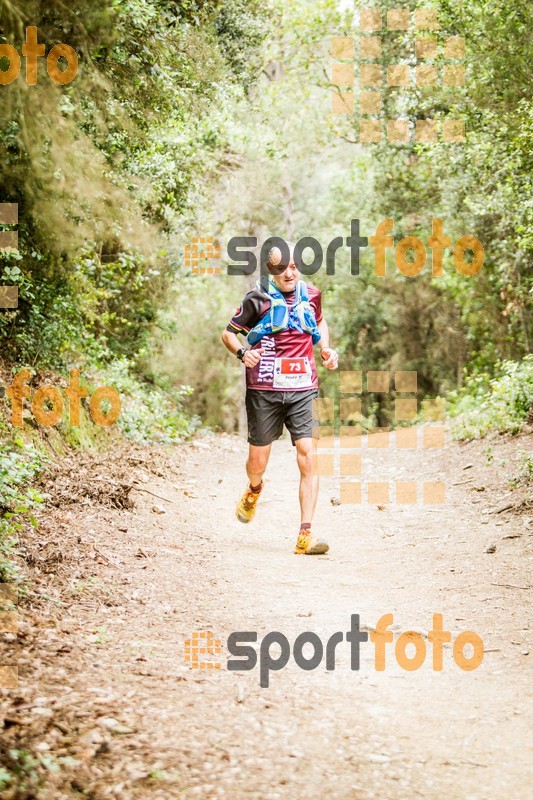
x,y
307,545
246,506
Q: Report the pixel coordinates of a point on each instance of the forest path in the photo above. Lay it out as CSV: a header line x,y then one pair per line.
x,y
140,722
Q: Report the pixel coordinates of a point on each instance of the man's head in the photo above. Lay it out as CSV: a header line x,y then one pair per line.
x,y
285,273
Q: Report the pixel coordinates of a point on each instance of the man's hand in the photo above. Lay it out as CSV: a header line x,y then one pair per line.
x,y
330,357
252,357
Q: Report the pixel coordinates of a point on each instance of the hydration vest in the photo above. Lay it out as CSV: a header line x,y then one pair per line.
x,y
278,318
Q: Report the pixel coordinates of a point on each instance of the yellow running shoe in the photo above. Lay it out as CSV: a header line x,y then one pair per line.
x,y
307,545
246,506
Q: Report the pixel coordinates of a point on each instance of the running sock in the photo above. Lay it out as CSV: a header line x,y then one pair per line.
x,y
305,526
256,489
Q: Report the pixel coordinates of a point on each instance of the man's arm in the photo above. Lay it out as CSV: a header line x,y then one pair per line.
x,y
330,357
232,342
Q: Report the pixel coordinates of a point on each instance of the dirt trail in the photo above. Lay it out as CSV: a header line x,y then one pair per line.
x,y
104,679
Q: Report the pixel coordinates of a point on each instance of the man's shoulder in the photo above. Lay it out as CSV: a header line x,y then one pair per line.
x,y
255,294
254,304
313,291
256,299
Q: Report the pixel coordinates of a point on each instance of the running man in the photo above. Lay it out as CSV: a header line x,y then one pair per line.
x,y
281,381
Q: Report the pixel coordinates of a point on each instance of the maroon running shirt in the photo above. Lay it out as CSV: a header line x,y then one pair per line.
x,y
285,355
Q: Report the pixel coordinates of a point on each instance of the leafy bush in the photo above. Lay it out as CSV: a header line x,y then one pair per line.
x,y
502,404
525,469
19,464
149,412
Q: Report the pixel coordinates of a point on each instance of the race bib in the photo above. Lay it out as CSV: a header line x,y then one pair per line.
x,y
292,373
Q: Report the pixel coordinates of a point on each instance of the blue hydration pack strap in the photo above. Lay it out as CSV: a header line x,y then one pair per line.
x,y
278,318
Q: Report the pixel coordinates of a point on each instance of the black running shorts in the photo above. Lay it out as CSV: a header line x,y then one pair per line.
x,y
267,412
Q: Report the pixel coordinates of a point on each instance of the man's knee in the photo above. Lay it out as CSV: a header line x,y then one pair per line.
x,y
258,459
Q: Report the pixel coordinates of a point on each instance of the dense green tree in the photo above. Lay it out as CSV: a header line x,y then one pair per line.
x,y
110,169
214,118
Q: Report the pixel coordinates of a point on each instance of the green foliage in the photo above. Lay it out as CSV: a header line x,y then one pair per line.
x,y
501,404
525,469
111,169
19,464
149,412
207,117
21,767
241,27
24,771
294,171
482,187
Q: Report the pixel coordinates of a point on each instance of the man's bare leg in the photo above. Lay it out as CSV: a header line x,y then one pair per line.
x,y
256,464
255,468
306,457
